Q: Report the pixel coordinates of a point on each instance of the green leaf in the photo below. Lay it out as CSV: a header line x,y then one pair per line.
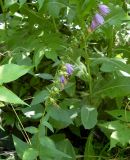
x,y
88,117
51,55
120,133
9,3
11,72
89,150
48,125
41,2
30,154
70,88
111,64
60,115
8,96
117,87
48,148
45,76
38,55
22,2
66,147
54,7
40,97
120,115
31,129
20,146
87,6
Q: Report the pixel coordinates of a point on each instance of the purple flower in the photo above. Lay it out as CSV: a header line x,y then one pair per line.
x,y
98,19
69,68
62,79
94,24
104,10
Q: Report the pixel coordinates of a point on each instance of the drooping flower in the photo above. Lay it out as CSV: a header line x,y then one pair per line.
x,y
69,68
62,79
98,19
104,10
93,24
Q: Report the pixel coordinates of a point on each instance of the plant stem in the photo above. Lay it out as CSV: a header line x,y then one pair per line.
x,y
88,66
24,132
54,24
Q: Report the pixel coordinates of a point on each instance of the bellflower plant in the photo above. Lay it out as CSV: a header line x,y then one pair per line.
x,y
69,68
98,19
103,9
94,24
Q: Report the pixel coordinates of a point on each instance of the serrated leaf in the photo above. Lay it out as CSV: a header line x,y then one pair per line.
x,y
11,72
88,117
8,96
30,154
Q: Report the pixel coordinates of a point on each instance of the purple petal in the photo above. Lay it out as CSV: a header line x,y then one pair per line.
x,y
62,79
94,24
99,19
104,10
69,68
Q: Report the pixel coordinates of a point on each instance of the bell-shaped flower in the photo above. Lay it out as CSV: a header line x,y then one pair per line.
x,y
98,19
104,10
69,68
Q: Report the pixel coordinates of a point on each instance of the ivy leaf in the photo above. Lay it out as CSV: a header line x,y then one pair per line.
x,y
88,117
11,72
8,96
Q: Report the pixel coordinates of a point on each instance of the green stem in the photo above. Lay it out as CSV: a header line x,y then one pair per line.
x,y
88,66
110,43
4,14
23,130
54,24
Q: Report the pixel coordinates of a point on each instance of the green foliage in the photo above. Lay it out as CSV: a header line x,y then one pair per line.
x,y
64,85
88,117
